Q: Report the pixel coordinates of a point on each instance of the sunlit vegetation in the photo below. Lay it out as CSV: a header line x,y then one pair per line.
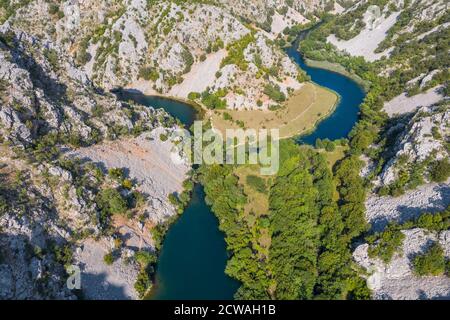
x,y
180,201
148,73
147,262
108,258
310,234
213,100
386,243
236,52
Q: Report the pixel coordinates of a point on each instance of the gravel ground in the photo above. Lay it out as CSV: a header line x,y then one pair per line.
x,y
201,75
427,198
365,43
404,104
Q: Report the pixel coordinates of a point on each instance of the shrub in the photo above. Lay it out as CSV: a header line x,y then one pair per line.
x,y
213,100
82,56
53,8
435,132
148,73
431,262
319,144
329,145
385,244
98,111
127,184
227,116
326,144
145,258
63,254
116,173
52,57
188,185
108,258
440,170
138,199
431,221
193,95
257,183
173,199
188,60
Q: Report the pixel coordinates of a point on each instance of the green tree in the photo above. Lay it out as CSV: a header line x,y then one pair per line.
x,y
431,262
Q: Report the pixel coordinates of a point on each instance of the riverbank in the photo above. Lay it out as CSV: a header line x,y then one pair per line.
x,y
335,67
192,259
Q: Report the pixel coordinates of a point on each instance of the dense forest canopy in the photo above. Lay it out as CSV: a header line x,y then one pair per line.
x,y
310,231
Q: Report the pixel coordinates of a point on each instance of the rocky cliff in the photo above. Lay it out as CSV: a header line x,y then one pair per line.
x,y
57,207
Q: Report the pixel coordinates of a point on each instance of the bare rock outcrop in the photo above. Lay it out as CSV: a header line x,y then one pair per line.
x,y
397,280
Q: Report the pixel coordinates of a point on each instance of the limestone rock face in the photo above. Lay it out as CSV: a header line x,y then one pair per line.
x,y
396,280
49,212
423,136
43,92
23,274
431,197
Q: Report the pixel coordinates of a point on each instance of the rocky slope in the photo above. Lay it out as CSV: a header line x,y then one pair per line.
x,y
275,15
57,210
165,44
64,201
408,169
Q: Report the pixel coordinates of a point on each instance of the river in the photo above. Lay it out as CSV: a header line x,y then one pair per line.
x,y
339,124
193,256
